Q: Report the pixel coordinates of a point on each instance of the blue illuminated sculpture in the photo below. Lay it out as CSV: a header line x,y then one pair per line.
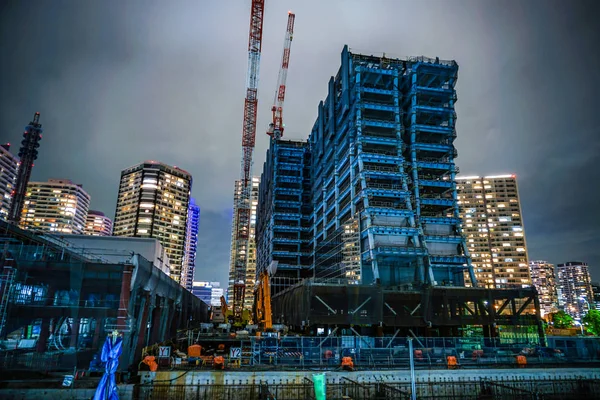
x,y
112,349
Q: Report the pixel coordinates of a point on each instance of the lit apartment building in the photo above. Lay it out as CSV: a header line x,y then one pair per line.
x,y
596,294
153,202
543,278
98,224
58,205
250,268
8,175
574,288
493,226
191,244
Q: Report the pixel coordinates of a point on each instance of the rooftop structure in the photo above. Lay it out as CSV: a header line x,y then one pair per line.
x,y
543,278
58,205
9,165
493,226
575,295
98,224
153,202
114,249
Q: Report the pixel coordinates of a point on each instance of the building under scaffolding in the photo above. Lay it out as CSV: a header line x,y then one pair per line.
x,y
385,233
284,228
61,299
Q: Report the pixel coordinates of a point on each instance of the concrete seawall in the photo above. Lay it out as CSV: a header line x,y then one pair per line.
x,y
274,377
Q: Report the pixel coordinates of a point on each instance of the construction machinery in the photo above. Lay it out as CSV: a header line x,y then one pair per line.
x,y
263,313
276,126
242,230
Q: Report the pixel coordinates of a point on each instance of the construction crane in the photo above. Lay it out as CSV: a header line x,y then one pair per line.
x,y
276,126
242,230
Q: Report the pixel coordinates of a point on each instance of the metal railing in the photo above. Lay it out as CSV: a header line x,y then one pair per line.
x,y
371,353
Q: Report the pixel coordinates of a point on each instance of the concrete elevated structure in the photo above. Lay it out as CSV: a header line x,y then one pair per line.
x,y
64,297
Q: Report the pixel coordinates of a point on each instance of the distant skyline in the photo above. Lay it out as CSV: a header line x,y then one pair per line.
x,y
118,83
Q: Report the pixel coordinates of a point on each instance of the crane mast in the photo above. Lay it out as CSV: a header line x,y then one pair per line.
x,y
242,219
276,127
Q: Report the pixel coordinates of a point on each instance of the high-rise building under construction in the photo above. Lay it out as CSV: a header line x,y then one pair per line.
x,y
382,164
248,254
493,226
373,225
284,230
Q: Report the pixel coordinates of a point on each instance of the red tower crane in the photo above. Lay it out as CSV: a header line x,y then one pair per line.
x,y
276,127
248,141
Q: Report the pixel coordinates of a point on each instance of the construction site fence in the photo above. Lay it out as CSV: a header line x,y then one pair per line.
x,y
427,388
293,352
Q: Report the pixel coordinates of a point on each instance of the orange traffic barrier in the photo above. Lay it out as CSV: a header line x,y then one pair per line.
x,y
219,362
452,363
347,364
206,360
150,362
194,350
521,361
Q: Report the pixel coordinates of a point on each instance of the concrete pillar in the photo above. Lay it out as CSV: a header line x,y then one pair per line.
x,y
157,321
74,332
125,295
97,332
40,346
143,322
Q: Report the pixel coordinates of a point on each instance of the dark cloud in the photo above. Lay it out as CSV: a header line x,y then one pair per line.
x,y
121,82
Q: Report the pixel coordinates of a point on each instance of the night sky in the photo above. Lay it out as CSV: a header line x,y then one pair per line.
x,y
118,83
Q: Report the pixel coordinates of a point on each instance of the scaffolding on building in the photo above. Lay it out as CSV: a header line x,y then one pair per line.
x,y
383,153
284,228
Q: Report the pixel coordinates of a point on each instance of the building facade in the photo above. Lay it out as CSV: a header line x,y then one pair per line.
x,y
250,253
493,226
575,288
596,294
208,292
153,201
383,153
283,232
8,176
191,245
98,224
58,205
543,277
